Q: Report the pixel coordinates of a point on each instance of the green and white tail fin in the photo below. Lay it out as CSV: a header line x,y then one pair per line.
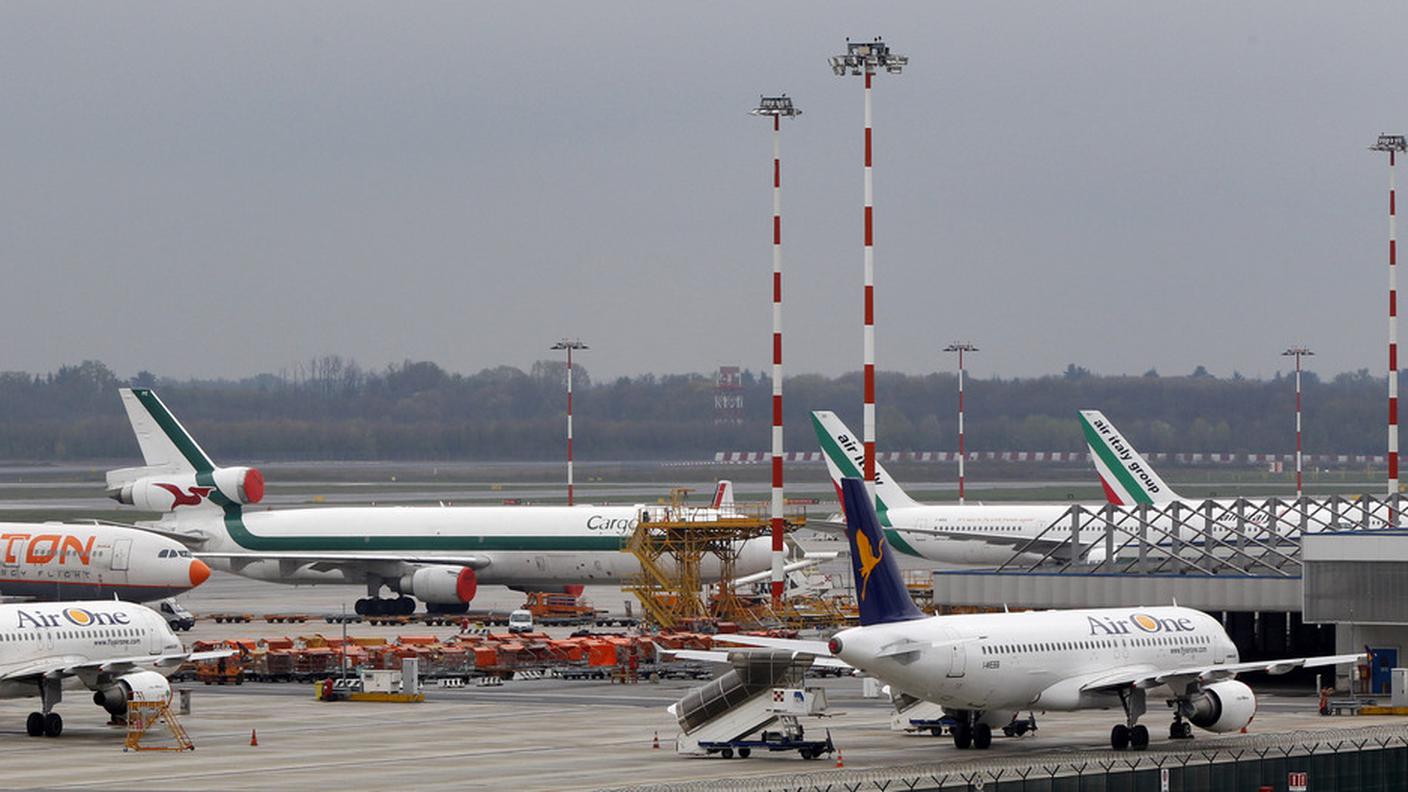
x,y
845,456
1127,478
165,443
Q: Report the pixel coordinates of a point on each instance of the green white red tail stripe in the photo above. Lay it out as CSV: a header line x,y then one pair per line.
x,y
1127,478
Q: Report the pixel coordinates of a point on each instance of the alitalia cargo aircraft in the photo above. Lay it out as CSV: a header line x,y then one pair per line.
x,y
66,561
984,668
439,555
120,651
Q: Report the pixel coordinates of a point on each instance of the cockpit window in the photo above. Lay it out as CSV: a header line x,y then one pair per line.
x,y
165,553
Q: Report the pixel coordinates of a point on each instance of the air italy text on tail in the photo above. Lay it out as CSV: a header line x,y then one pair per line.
x,y
880,589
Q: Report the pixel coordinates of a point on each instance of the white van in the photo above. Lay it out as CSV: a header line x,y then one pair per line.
x,y
520,621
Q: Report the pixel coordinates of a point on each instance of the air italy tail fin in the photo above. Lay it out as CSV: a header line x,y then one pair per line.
x,y
1127,477
845,456
880,589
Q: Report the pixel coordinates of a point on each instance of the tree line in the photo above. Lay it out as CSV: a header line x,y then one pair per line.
x,y
332,408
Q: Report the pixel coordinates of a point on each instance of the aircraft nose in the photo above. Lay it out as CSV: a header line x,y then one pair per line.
x,y
199,572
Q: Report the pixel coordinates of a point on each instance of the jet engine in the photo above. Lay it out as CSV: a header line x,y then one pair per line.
x,y
441,585
1221,707
136,686
242,485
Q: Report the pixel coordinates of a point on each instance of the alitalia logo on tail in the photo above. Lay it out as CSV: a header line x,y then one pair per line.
x,y
1127,478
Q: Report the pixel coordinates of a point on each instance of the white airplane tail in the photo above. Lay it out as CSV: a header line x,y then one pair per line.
x,y
723,496
178,473
1128,479
845,456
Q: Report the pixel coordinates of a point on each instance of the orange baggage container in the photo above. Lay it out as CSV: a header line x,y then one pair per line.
x,y
278,644
418,640
600,653
485,657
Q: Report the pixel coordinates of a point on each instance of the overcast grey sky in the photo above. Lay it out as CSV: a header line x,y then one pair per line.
x,y
222,189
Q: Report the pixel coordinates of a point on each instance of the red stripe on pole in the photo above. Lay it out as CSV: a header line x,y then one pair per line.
x,y
870,305
776,230
777,347
777,471
869,226
1393,465
777,173
777,287
1393,357
777,410
1392,252
869,461
867,146
1392,203
870,384
1393,303
1393,410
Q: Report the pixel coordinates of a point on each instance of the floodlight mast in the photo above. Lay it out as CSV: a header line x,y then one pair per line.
x,y
1298,352
962,450
1394,145
778,108
569,344
865,58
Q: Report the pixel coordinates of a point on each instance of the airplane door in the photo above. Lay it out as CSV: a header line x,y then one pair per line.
x,y
121,552
958,659
957,654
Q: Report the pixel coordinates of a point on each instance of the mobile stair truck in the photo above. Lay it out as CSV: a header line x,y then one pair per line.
x,y
763,688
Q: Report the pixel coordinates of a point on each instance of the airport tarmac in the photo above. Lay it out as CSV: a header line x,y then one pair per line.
x,y
539,735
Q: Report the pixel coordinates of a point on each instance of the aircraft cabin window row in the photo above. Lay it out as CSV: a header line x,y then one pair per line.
x,y
1066,646
124,632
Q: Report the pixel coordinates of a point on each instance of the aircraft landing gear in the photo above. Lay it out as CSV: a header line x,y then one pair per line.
x,y
1130,734
1180,729
46,723
968,732
376,606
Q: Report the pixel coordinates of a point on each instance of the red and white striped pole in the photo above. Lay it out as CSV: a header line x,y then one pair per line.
x,y
1298,352
962,449
569,345
865,59
778,107
1394,145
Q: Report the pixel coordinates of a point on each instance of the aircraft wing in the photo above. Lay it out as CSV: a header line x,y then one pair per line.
x,y
817,648
69,665
1144,677
811,560
338,559
1023,543
722,657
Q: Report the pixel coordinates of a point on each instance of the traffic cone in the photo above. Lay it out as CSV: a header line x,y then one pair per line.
x,y
655,744
840,762
253,738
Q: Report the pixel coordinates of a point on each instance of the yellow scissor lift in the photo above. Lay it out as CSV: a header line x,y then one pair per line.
x,y
671,543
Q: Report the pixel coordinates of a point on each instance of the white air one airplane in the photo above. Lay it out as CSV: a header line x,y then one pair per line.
x,y
984,668
439,555
120,651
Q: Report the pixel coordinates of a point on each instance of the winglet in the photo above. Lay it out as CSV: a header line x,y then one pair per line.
x,y
1127,478
880,589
